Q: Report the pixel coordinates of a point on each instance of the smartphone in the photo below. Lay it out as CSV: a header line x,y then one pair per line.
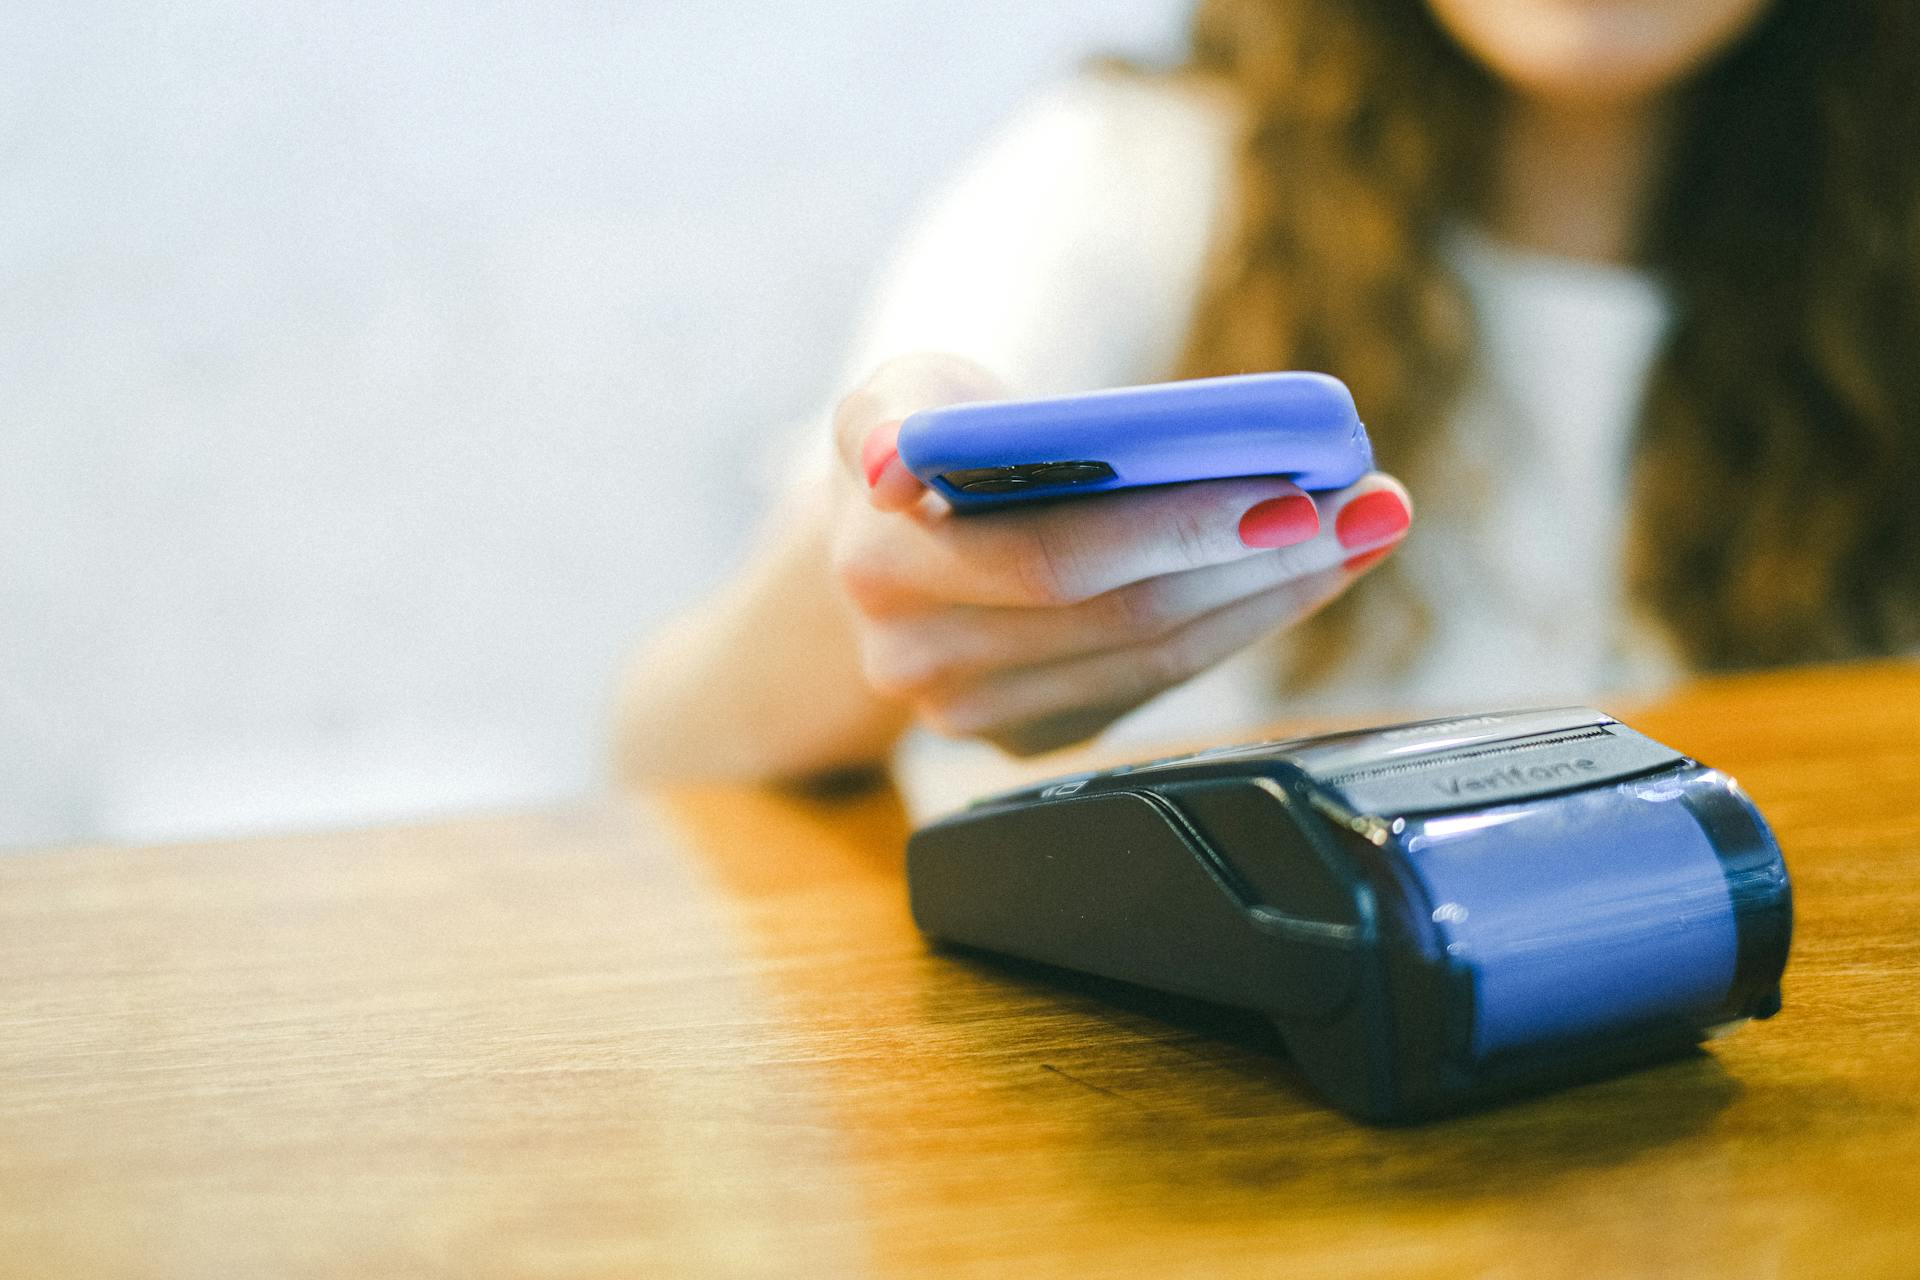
x,y
994,454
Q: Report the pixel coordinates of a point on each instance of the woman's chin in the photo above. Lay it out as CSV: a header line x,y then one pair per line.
x,y
1596,51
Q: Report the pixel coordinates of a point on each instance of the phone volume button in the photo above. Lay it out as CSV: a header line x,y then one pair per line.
x,y
1073,473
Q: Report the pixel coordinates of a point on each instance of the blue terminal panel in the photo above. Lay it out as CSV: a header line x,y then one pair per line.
x,y
1579,911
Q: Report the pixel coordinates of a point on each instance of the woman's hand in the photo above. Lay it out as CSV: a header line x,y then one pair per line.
x,y
1037,627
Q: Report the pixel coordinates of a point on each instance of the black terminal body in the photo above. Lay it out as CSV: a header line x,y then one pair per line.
x,y
1434,915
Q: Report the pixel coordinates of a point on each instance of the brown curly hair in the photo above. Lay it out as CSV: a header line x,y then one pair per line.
x,y
1776,488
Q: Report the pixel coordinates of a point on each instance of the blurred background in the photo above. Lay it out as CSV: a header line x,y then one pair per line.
x,y
372,375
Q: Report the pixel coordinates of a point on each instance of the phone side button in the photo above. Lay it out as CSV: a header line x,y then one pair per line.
x,y
1074,473
1000,484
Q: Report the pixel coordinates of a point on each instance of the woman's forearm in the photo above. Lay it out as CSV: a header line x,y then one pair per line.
x,y
761,682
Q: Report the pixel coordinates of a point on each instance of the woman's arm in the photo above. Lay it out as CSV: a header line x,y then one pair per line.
x,y
767,679
763,680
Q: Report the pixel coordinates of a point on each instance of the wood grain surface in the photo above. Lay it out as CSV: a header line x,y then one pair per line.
x,y
693,1033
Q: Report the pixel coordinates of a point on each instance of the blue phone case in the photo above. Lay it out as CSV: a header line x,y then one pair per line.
x,y
992,454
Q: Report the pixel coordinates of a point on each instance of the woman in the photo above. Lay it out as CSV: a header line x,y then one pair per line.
x,y
1628,292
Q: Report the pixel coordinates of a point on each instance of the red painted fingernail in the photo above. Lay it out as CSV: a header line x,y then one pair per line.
x,y
1372,517
877,452
1279,522
1367,559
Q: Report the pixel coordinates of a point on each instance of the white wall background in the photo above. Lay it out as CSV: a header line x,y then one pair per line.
x,y
372,375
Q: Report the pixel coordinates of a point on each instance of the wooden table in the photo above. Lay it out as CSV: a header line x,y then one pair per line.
x,y
694,1033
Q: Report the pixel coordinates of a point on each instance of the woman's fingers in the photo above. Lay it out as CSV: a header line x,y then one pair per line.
x,y
866,425
918,653
1058,554
1072,552
1041,708
1036,679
